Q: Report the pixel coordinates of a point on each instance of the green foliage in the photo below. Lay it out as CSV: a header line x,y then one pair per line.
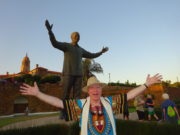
x,y
177,101
50,79
126,84
176,84
168,83
23,78
30,79
123,128
146,128
26,78
18,79
131,109
42,130
36,78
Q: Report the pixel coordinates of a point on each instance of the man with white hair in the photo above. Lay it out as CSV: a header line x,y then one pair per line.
x,y
170,112
95,113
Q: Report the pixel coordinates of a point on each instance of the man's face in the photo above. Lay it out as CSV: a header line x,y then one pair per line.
x,y
95,92
75,37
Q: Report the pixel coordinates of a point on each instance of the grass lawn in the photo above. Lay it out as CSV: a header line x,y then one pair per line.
x,y
7,121
131,109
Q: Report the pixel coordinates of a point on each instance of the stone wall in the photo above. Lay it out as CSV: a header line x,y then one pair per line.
x,y
173,92
10,91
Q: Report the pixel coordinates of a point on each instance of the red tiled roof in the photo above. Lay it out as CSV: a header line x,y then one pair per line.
x,y
4,75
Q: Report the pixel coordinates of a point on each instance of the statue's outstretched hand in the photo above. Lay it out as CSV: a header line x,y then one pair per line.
x,y
48,26
104,49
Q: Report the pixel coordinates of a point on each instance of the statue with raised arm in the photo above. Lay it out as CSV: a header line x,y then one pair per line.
x,y
72,67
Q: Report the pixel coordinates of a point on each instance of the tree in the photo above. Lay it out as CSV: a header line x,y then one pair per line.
x,y
166,83
90,67
127,83
176,84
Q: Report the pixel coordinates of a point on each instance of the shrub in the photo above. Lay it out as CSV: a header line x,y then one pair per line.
x,y
55,129
177,101
18,79
146,128
37,78
27,78
123,128
50,79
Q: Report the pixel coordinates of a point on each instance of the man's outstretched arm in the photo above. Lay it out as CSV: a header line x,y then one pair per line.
x,y
28,90
149,81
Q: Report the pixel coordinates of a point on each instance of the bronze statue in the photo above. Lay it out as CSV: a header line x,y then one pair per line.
x,y
72,67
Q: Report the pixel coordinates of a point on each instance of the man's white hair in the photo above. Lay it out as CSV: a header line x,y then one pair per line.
x,y
165,96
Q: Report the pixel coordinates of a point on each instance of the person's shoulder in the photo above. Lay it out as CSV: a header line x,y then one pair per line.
x,y
166,103
172,102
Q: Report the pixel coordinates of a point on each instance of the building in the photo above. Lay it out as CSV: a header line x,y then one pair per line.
x,y
25,69
10,99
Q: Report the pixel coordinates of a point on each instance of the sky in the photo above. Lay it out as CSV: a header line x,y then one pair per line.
x,y
143,36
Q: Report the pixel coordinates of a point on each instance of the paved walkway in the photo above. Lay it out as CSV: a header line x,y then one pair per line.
x,y
50,120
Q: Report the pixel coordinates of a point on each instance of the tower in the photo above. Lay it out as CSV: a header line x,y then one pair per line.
x,y
25,67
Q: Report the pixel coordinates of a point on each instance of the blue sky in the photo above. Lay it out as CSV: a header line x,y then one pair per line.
x,y
142,35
